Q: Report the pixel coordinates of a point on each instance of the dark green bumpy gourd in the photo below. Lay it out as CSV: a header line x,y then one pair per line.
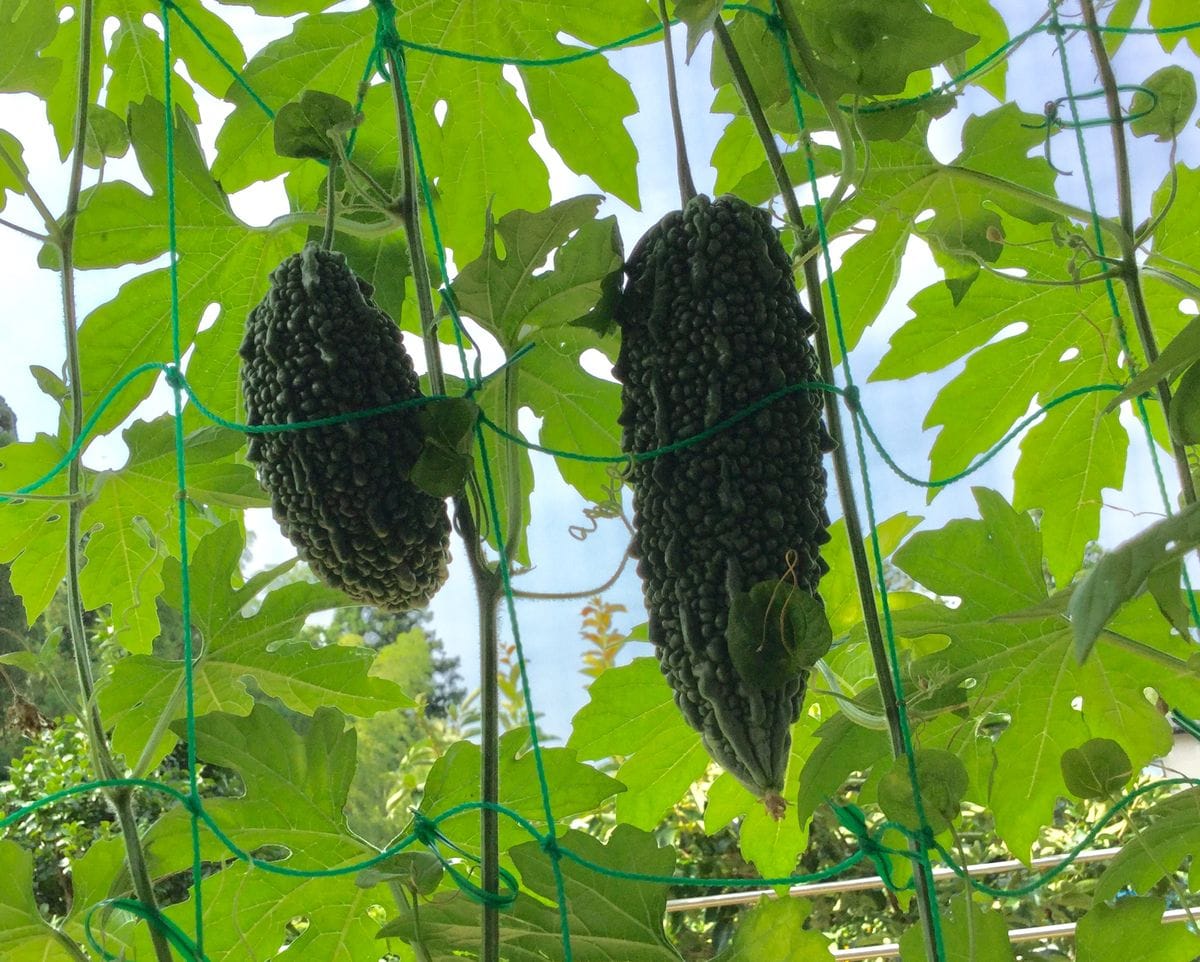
x,y
317,346
710,323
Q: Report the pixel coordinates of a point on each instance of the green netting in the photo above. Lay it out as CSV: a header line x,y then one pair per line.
x,y
391,49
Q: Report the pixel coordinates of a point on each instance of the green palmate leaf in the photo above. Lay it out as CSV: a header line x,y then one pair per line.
x,y
984,20
24,935
1132,929
842,749
221,261
233,649
508,292
1076,451
132,520
1024,674
631,713
775,930
1175,244
869,48
608,918
28,29
575,788
309,127
1172,13
942,781
1121,573
1159,850
699,17
295,792
1097,769
773,844
9,179
907,182
1170,109
969,934
33,534
484,136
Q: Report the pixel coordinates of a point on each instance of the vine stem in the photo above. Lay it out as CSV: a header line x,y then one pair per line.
x,y
922,876
488,585
330,205
1131,271
63,233
687,186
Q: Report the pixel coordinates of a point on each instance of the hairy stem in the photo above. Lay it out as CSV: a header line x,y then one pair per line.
x,y
687,186
487,583
1132,274
120,800
922,876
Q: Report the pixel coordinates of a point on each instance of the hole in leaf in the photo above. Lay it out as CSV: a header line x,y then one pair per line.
x,y
952,601
925,215
1077,703
440,109
209,317
597,365
1069,354
1010,330
1189,306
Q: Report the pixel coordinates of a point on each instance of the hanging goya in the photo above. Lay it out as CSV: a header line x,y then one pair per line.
x,y
728,528
317,346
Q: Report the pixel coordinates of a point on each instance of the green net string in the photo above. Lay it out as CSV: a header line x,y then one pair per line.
x,y
425,831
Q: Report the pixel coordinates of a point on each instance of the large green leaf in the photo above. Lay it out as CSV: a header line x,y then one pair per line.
x,y
221,261
1159,850
507,291
775,930
24,935
33,534
608,917
575,788
234,649
295,791
132,521
1024,671
28,29
1132,929
631,713
864,47
484,134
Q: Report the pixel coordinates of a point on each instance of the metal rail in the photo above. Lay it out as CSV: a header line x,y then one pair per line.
x,y
874,881
890,950
1065,930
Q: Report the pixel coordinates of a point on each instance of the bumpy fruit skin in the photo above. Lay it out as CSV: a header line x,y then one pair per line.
x,y
710,323
317,346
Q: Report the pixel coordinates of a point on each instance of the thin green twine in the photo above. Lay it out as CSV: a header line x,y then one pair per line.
x,y
921,856
194,800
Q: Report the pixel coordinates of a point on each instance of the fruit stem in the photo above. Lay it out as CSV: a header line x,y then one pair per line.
x,y
687,186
